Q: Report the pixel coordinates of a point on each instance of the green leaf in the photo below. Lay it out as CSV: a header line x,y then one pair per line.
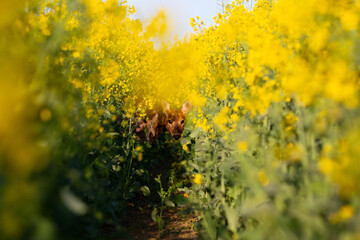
x,y
181,200
209,225
111,134
154,214
169,203
72,202
195,133
145,191
107,113
184,141
44,229
232,217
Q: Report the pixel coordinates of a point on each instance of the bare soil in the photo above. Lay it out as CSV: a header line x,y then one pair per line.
x,y
178,225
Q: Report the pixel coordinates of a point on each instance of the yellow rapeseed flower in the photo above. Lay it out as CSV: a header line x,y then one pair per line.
x,y
346,212
242,146
222,118
140,156
138,148
326,165
45,114
262,178
198,179
349,20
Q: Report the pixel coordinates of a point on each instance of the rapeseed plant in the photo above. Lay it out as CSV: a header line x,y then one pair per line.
x,y
272,136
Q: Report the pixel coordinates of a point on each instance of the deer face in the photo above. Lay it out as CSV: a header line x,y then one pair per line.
x,y
175,119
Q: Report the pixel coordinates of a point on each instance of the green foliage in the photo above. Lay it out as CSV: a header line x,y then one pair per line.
x,y
269,150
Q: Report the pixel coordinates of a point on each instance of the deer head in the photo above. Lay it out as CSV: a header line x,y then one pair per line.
x,y
175,119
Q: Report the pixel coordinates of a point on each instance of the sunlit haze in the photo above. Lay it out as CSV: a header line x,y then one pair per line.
x,y
178,13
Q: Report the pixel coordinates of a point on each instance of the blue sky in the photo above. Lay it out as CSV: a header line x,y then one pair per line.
x,y
178,12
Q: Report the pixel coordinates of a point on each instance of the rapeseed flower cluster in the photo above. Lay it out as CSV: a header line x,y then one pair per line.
x,y
275,121
288,72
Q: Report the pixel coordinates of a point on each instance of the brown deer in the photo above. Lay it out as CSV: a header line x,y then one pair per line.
x,y
161,121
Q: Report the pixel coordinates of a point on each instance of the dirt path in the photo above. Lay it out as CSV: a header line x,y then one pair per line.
x,y
178,225
179,222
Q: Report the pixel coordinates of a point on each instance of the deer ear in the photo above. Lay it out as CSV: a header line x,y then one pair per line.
x,y
186,107
165,105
